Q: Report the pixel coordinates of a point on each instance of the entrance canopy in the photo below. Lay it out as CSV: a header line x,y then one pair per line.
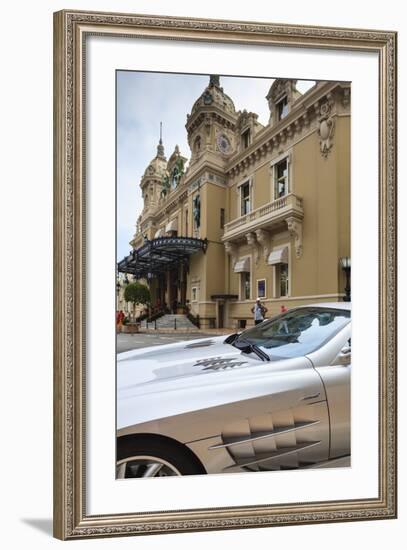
x,y
159,255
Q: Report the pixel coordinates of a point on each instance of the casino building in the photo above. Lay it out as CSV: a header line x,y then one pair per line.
x,y
260,211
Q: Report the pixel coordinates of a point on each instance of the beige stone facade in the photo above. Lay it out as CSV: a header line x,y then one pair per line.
x,y
272,203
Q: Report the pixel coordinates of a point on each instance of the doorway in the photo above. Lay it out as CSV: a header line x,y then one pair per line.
x,y
221,315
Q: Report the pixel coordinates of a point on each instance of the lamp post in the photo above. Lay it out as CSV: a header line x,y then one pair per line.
x,y
149,279
346,266
125,283
118,287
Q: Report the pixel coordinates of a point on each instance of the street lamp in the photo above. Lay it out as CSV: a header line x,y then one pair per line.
x,y
149,278
345,265
118,287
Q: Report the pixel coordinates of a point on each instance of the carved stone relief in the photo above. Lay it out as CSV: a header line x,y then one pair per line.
x,y
326,127
252,242
263,238
295,229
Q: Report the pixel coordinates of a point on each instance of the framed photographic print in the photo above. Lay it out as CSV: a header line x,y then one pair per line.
x,y
225,208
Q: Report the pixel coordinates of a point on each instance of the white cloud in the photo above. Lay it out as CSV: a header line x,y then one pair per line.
x,y
143,100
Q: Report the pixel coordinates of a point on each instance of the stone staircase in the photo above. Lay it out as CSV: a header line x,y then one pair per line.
x,y
169,321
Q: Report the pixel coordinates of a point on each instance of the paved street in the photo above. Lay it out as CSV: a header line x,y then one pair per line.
x,y
126,342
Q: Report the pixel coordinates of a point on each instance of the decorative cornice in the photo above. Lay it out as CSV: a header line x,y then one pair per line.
x,y
215,113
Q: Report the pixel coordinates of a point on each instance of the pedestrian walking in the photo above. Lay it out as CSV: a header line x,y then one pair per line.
x,y
259,311
119,320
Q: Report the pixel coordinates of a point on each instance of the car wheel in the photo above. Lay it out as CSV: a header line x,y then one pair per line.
x,y
138,458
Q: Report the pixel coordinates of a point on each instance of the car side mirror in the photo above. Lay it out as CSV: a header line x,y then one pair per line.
x,y
344,356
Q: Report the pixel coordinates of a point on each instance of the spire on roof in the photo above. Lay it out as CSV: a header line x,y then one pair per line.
x,y
160,146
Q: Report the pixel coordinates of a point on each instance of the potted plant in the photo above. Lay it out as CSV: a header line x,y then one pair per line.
x,y
137,294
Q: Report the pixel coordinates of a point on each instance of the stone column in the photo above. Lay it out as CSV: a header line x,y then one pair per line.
x,y
217,313
183,279
168,293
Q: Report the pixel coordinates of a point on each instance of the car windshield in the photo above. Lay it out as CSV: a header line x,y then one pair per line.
x,y
297,332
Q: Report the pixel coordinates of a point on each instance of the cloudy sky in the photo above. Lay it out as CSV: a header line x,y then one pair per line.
x,y
145,99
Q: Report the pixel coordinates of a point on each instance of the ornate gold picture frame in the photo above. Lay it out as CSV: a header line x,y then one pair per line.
x,y
71,518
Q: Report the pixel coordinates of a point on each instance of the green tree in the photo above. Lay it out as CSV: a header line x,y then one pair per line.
x,y
137,293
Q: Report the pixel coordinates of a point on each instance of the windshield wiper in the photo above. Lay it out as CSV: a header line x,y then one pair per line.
x,y
231,339
234,340
250,348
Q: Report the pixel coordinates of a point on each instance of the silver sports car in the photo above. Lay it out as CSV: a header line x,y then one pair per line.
x,y
274,397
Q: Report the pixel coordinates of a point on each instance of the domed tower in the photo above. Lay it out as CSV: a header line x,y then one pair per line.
x,y
212,138
211,125
151,181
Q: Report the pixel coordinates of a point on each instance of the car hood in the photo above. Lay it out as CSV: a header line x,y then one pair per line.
x,y
154,383
188,359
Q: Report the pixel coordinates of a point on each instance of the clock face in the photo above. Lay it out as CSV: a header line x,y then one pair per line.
x,y
223,144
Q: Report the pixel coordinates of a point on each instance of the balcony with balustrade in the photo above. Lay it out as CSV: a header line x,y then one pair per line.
x,y
269,216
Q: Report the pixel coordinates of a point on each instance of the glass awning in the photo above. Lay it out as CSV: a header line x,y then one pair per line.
x,y
158,255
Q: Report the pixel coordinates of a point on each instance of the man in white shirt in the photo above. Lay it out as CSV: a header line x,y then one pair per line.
x,y
259,311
